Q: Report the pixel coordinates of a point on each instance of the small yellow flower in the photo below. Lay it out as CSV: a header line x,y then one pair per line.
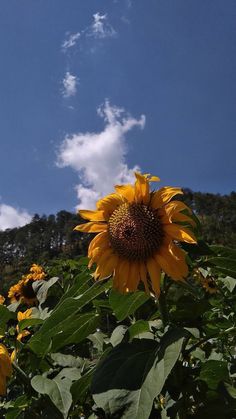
x,y
206,280
2,299
5,368
138,230
209,285
23,290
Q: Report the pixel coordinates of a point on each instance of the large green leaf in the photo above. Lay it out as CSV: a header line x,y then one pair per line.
x,y
71,329
81,284
58,389
75,332
224,251
124,305
225,265
65,324
29,322
133,374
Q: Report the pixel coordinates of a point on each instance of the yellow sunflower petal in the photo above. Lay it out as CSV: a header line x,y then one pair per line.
x,y
153,178
171,212
163,196
143,276
91,227
100,240
107,267
180,257
127,191
98,253
155,275
179,233
170,264
121,275
92,215
133,279
109,204
142,189
182,218
175,206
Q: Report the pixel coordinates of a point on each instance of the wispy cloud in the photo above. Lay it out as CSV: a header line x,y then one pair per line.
x,y
11,217
100,27
70,41
69,85
99,158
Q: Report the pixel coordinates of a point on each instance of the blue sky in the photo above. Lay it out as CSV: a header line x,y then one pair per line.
x,y
91,90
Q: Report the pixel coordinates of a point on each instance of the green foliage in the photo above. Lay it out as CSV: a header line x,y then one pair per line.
x,y
93,352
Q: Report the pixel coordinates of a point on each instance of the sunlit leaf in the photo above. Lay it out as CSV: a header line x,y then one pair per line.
x,y
127,304
133,374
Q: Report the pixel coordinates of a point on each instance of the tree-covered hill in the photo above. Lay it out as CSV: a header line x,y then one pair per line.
x,y
49,237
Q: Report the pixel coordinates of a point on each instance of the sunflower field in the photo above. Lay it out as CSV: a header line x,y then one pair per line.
x,y
143,327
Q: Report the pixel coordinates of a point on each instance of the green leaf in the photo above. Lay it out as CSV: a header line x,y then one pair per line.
x,y
82,326
15,408
97,340
81,387
223,264
124,305
118,335
5,316
29,322
81,284
231,390
65,332
139,327
224,251
58,389
67,360
65,324
40,346
126,382
213,372
41,288
13,413
228,282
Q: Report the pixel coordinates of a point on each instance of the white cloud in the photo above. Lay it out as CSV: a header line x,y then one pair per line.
x,y
69,85
11,217
70,41
99,158
100,27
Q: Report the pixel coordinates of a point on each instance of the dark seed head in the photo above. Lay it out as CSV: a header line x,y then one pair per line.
x,y
135,231
27,290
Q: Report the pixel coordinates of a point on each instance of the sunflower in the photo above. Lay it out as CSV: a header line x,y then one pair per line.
x,y
22,316
206,280
5,368
138,230
23,291
209,285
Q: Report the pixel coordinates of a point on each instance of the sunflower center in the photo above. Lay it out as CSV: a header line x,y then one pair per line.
x,y
27,290
135,231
